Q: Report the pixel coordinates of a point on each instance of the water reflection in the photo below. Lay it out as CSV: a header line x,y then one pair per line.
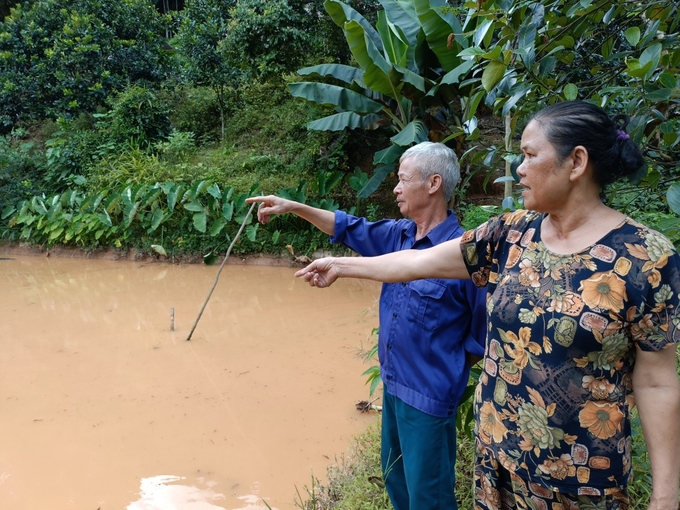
x,y
163,493
100,400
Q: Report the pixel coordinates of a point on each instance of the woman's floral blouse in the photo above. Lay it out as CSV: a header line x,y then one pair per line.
x,y
555,394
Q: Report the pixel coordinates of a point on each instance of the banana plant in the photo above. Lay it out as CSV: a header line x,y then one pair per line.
x,y
408,71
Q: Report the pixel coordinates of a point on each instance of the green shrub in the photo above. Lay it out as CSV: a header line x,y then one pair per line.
x,y
69,152
138,115
179,146
196,110
472,216
133,166
21,170
64,58
269,121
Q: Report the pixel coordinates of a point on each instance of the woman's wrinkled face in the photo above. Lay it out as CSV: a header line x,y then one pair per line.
x,y
544,179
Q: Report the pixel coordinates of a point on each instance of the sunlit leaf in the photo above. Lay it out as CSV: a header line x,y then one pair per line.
x,y
570,91
158,217
493,73
217,226
395,43
649,59
636,69
56,233
214,190
633,36
105,218
200,187
200,220
130,213
172,196
38,206
481,30
159,249
194,206
251,232
228,210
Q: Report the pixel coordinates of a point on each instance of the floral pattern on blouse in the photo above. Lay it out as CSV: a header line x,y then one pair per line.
x,y
555,394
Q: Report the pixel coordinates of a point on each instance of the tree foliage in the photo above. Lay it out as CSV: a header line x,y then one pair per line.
x,y
533,54
63,59
623,56
410,70
408,75
202,30
511,56
266,39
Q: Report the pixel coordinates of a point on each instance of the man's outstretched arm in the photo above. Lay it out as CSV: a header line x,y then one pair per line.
x,y
272,205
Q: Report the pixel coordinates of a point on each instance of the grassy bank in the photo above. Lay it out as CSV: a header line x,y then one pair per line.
x,y
355,481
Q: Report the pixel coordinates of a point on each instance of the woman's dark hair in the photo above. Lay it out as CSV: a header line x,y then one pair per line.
x,y
610,149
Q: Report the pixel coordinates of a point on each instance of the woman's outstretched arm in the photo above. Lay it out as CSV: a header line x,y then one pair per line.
x,y
442,261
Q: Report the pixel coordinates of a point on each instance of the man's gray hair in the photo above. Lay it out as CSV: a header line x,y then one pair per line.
x,y
435,158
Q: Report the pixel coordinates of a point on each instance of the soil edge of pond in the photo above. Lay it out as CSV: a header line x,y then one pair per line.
x,y
9,249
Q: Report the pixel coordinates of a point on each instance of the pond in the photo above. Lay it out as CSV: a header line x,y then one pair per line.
x,y
105,405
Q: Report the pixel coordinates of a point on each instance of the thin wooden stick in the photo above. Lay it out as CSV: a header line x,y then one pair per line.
x,y
220,270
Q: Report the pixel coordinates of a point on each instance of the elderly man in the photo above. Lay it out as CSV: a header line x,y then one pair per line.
x,y
429,329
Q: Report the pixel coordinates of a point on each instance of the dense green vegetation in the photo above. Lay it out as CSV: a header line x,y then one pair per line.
x,y
122,127
115,136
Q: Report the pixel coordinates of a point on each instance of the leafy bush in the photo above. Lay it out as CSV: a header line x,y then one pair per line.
x,y
269,121
196,110
138,115
203,28
61,59
179,145
21,168
69,152
132,166
267,39
472,215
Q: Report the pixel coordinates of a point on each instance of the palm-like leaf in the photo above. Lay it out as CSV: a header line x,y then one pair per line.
x,y
344,98
350,120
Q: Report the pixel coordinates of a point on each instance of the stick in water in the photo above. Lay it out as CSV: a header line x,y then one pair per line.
x,y
220,270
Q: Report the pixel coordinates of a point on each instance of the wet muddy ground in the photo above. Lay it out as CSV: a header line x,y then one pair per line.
x,y
103,406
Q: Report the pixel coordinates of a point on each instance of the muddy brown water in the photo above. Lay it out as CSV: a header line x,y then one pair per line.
x,y
103,406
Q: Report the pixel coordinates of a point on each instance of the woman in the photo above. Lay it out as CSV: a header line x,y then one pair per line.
x,y
578,295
